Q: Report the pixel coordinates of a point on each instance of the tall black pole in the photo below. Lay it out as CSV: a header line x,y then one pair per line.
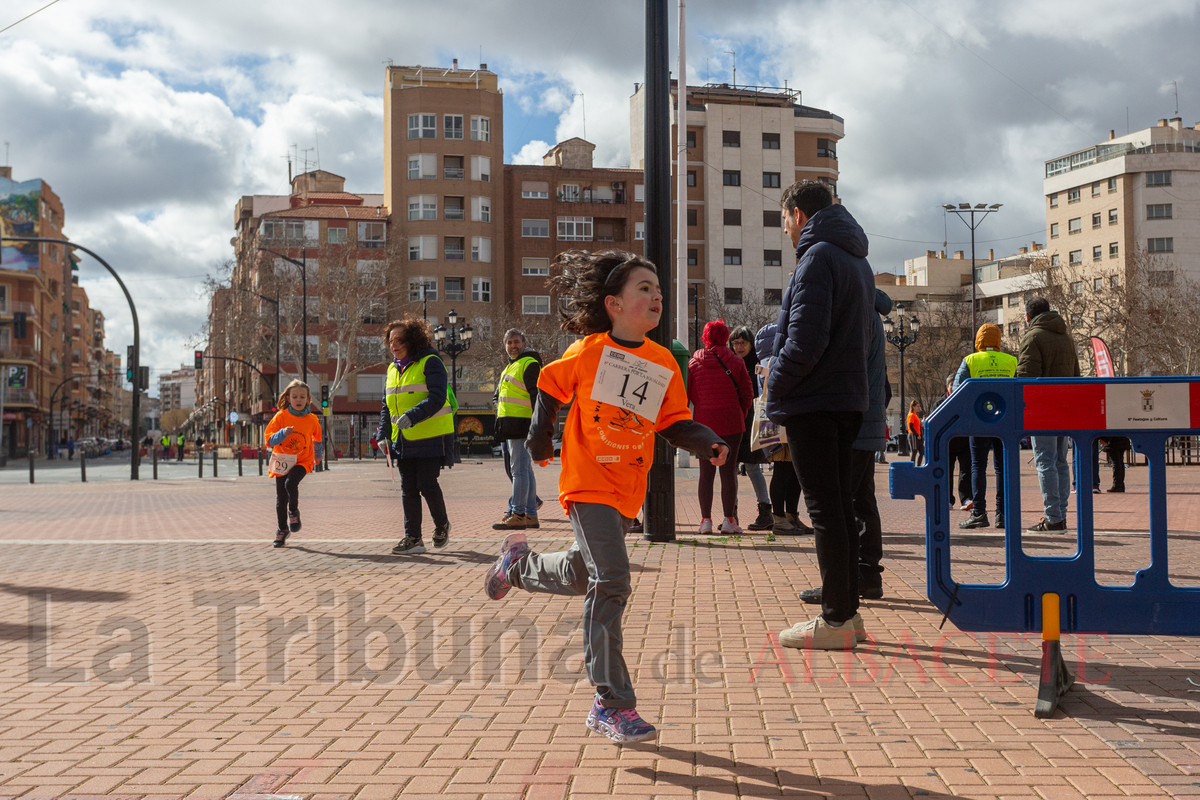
x,y
660,494
974,327
902,442
304,292
276,341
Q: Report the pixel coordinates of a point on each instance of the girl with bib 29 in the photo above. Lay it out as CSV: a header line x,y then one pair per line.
x,y
294,434
625,389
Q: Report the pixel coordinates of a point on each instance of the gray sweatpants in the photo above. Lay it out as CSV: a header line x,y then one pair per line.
x,y
597,566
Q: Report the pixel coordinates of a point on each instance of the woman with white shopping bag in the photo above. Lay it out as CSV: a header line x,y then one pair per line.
x,y
766,435
294,434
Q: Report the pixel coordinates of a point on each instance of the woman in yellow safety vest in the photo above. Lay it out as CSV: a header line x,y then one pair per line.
x,y
417,425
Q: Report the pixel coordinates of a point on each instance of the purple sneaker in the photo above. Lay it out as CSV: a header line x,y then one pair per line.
x,y
622,725
514,546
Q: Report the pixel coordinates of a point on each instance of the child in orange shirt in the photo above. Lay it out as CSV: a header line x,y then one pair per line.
x,y
295,436
625,389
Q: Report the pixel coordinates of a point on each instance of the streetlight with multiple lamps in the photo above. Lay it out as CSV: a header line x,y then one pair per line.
x,y
895,333
453,342
964,210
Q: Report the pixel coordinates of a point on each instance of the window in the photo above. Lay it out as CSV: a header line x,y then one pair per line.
x,y
574,229
535,304
371,235
1054,200
830,182
733,216
535,267
826,148
691,177
1114,281
481,168
1097,284
455,249
372,310
733,297
422,248
568,192
420,288
1097,253
1076,320
1112,216
1073,195
1054,262
481,129
481,290
1114,250
770,180
772,258
1158,178
422,207
481,249
691,218
1076,287
731,177
338,312
422,166
693,256
422,126
1160,245
370,273
453,209
1014,329
452,168
54,322
1096,189
535,190
535,228
1076,257
772,219
770,141
335,235
733,256
481,209
1096,220
455,293
731,138
1161,278
452,126
1053,230
773,297
691,139
1075,226
639,231
1098,316
1158,211
1112,185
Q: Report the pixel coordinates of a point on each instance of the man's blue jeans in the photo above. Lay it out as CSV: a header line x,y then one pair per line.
x,y
524,486
1054,475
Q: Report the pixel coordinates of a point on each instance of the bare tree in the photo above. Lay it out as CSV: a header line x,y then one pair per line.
x,y
750,312
945,338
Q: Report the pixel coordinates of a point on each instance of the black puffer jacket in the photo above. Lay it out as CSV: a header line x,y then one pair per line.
x,y
820,349
872,436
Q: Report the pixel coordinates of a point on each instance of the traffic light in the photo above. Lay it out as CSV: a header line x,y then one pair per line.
x,y
144,378
324,395
19,330
129,373
129,363
199,359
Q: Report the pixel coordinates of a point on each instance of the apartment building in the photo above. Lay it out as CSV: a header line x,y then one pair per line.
x,y
745,144
563,203
177,389
1138,193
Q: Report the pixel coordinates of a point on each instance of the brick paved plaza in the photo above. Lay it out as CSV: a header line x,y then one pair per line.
x,y
154,644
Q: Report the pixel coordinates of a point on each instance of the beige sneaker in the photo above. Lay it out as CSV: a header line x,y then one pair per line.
x,y
513,522
860,630
818,634
532,521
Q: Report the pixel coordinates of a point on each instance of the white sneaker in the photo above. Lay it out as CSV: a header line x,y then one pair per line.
x,y
729,526
705,526
818,634
860,629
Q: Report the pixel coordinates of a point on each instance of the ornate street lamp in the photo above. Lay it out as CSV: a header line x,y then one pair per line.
x,y
896,335
453,342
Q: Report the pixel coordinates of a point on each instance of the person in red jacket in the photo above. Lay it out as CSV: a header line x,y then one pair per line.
x,y
719,389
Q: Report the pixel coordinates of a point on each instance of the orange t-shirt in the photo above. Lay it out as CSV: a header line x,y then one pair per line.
x,y
607,450
306,431
914,423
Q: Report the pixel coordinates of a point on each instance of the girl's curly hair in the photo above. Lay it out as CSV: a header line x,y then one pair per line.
x,y
415,333
583,279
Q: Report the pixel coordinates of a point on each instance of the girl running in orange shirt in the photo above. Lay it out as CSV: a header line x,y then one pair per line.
x,y
625,389
295,436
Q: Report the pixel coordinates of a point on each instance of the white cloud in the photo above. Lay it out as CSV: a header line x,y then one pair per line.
x,y
531,153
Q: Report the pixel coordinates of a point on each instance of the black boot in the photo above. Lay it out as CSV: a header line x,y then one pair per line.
x,y
765,520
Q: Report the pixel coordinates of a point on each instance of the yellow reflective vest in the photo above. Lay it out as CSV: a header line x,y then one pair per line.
x,y
514,399
404,391
991,364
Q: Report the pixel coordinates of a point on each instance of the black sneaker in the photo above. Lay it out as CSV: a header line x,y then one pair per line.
x,y
441,535
868,593
811,596
975,521
1046,526
1000,520
294,521
637,527
409,547
1118,489
280,538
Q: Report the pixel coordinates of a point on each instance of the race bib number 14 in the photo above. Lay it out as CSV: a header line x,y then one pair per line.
x,y
631,383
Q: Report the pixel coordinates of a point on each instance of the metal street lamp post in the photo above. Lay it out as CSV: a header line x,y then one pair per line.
x,y
964,210
895,334
303,312
275,302
453,343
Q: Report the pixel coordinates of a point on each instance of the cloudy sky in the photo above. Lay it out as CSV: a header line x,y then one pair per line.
x,y
150,119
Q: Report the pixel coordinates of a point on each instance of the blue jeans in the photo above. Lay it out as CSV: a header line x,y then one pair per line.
x,y
524,486
980,445
1054,474
754,473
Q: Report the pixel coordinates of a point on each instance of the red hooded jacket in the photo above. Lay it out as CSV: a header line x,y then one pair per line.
x,y
717,402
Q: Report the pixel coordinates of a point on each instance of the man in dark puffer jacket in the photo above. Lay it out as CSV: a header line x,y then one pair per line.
x,y
818,390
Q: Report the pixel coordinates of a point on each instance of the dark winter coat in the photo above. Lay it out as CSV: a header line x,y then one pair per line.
x,y
872,436
718,403
518,427
436,379
820,351
1047,350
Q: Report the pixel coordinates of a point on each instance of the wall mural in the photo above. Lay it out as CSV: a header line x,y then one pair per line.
x,y
19,208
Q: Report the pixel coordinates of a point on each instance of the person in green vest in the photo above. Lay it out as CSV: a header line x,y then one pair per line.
x,y
515,393
166,446
179,446
987,362
417,424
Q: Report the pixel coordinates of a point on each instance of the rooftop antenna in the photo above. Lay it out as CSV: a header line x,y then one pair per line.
x,y
306,151
289,160
6,155
317,136
583,105
1176,85
734,54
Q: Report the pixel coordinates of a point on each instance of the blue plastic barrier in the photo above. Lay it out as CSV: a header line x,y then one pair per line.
x,y
1145,411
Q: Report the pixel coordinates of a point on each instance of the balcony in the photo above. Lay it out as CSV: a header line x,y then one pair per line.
x,y
453,173
591,198
456,295
17,307
452,213
455,255
20,397
22,352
